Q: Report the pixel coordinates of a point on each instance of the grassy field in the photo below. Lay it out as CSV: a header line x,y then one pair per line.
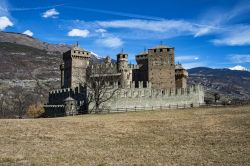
x,y
202,136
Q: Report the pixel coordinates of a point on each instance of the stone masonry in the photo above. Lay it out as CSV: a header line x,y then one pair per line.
x,y
154,81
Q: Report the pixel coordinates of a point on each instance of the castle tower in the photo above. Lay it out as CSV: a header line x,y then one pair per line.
x,y
70,106
122,67
62,75
76,62
142,73
161,67
180,76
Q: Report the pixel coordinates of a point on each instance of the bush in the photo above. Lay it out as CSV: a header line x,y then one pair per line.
x,y
35,110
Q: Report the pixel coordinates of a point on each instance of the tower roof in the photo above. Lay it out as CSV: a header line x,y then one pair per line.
x,y
122,53
143,53
178,66
162,46
77,48
69,99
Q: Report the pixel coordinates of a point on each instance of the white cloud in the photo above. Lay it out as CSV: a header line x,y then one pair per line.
x,y
193,65
5,22
161,28
50,13
28,32
150,25
235,36
79,33
240,58
145,29
111,42
186,58
189,61
100,30
205,30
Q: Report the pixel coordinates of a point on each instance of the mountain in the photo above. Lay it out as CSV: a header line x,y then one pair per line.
x,y
230,84
22,39
96,55
29,64
238,67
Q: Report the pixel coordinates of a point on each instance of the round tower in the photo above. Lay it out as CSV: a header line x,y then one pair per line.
x,y
181,76
122,67
122,61
70,106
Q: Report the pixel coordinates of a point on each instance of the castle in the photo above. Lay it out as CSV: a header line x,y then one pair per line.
x,y
155,81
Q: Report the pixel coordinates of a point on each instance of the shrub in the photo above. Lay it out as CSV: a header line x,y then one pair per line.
x,y
35,110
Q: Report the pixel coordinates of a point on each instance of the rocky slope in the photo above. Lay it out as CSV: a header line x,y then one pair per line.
x,y
230,84
29,66
22,39
32,70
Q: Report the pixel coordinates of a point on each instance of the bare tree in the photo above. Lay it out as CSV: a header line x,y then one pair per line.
x,y
100,84
5,110
20,101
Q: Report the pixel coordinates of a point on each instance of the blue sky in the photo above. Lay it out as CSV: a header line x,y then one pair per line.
x,y
204,32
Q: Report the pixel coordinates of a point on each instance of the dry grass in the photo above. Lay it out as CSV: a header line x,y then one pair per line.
x,y
204,136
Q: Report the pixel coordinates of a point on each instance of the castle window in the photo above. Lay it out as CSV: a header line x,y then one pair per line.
x,y
124,56
168,49
154,50
161,50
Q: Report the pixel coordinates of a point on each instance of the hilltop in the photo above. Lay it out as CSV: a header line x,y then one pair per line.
x,y
22,39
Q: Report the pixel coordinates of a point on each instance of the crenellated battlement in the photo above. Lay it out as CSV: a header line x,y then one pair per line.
x,y
58,91
157,93
58,96
133,66
148,97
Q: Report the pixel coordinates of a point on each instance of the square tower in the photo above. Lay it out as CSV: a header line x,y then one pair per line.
x,y
76,62
161,67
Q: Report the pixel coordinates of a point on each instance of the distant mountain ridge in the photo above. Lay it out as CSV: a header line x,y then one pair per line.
x,y
22,39
228,83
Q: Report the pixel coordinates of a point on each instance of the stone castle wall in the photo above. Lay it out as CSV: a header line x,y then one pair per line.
x,y
126,98
147,97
